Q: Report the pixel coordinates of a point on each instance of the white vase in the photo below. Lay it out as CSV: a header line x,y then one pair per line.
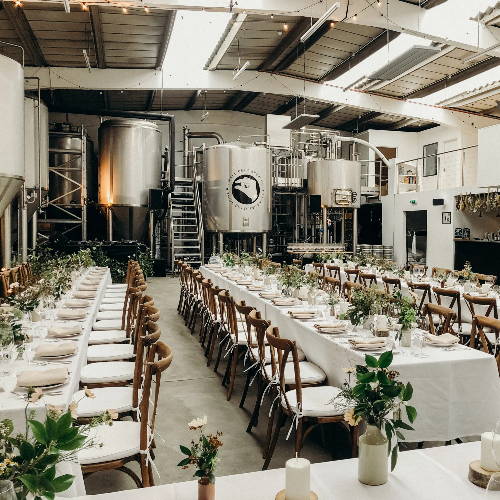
x,y
373,460
405,337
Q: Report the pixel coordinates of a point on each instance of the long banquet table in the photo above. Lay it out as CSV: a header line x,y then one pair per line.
x,y
420,475
456,392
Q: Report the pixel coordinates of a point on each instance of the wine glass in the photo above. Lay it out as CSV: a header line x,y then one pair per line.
x,y
7,490
29,353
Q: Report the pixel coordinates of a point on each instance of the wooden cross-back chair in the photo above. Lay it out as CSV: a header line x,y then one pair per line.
x,y
352,275
332,285
391,285
130,441
319,268
485,336
333,271
451,298
348,287
481,306
308,407
367,279
445,317
197,300
486,278
215,329
425,298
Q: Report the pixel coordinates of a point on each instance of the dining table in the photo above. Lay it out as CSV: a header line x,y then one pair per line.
x,y
427,474
456,390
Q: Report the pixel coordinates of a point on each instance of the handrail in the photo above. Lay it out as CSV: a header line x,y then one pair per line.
x,y
197,201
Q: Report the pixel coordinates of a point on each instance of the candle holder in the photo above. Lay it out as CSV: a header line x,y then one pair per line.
x,y
281,495
479,476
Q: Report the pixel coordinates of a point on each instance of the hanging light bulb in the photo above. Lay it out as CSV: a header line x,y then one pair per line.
x,y
18,3
355,17
146,10
124,10
379,3
84,6
332,24
285,27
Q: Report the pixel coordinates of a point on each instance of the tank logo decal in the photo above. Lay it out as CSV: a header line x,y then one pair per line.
x,y
245,189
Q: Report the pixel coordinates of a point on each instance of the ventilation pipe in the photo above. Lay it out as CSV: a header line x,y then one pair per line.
x,y
365,143
188,135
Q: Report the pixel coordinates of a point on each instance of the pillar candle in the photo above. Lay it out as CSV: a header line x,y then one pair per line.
x,y
490,448
298,479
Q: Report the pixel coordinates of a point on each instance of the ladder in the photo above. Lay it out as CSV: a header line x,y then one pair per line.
x,y
186,229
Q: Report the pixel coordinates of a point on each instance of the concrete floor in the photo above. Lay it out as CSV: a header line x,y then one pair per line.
x,y
190,389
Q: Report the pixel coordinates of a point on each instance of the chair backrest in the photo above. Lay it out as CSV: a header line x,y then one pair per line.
x,y
242,310
446,318
486,278
319,268
333,271
297,262
352,275
281,349
481,306
259,325
348,287
214,307
228,313
480,340
449,297
367,279
426,293
159,359
332,285
391,284
418,268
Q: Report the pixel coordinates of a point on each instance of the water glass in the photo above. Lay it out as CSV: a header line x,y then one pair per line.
x,y
417,344
7,490
8,382
29,353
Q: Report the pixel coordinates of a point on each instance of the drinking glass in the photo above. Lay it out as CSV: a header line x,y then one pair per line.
x,y
417,344
29,353
7,490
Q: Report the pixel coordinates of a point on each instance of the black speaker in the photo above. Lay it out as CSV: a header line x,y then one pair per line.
x,y
314,203
157,199
438,201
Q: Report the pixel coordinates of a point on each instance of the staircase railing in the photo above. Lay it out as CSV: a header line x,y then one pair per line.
x,y
198,208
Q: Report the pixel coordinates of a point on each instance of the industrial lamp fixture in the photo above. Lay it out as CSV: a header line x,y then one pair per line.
x,y
319,23
240,71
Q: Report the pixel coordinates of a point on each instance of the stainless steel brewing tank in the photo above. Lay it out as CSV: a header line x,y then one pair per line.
x,y
337,181
237,188
130,161
12,135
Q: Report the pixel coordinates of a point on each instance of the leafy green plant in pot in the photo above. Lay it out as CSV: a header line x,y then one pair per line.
x,y
377,397
407,319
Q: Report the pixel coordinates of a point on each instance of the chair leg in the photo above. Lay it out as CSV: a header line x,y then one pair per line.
x,y
251,373
269,432
279,424
232,374
254,419
212,336
222,343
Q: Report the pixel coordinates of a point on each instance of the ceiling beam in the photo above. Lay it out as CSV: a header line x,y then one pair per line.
x,y
287,106
191,78
246,99
162,51
300,48
287,44
95,19
456,78
22,27
225,41
401,123
324,113
192,100
356,122
364,52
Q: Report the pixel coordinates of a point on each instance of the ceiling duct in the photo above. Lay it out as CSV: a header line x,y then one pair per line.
x,y
407,60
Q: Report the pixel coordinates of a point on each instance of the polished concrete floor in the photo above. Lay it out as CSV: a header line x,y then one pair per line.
x,y
190,389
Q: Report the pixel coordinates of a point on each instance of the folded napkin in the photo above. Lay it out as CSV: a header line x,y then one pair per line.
x,y
367,342
51,349
270,295
445,339
84,294
91,282
302,314
76,304
71,313
338,327
285,301
255,288
39,378
213,266
87,288
244,282
61,331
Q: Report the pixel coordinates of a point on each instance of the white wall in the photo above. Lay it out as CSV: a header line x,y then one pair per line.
x,y
230,124
489,156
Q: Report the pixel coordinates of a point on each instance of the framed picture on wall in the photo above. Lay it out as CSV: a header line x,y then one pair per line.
x,y
430,159
446,218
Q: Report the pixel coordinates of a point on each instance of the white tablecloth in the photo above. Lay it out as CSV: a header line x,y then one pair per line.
x,y
13,406
435,473
456,393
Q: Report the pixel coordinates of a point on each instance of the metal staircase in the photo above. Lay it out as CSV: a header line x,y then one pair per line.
x,y
186,228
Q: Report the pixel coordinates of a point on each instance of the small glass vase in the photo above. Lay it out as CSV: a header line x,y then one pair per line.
x,y
206,489
373,461
405,337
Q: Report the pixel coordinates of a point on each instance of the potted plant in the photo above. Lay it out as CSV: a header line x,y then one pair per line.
x,y
203,455
364,304
377,397
291,279
407,319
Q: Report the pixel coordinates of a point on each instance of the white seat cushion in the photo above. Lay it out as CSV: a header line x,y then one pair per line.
x,y
113,300
267,353
110,352
466,328
108,324
117,306
117,287
107,337
112,442
317,401
106,398
309,373
114,294
112,371
108,315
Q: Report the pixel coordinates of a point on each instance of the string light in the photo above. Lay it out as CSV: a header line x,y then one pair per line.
x,y
124,10
285,27
18,3
332,24
355,17
146,10
379,3
84,6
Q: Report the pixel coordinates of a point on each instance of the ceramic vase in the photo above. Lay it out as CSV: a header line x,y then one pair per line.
x,y
373,461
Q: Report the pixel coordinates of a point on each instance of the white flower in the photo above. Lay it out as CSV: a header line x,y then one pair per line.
x,y
197,423
374,385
